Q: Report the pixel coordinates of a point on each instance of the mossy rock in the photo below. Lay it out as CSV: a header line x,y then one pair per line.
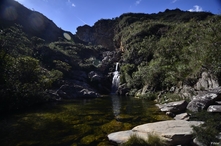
x,y
28,143
105,144
124,117
69,138
127,126
82,129
162,117
89,140
112,126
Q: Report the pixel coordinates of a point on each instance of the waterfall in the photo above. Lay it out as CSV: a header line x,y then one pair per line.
x,y
116,79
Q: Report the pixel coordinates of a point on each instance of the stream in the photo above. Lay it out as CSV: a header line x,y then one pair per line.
x,y
76,122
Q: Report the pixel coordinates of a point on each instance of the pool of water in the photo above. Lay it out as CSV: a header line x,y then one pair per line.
x,y
77,122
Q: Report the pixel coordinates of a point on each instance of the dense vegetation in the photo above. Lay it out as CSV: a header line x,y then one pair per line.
x,y
162,52
30,67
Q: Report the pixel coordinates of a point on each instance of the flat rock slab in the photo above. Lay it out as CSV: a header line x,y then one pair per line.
x,y
175,131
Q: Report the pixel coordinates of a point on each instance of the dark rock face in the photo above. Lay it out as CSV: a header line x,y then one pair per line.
x,y
123,90
99,81
101,33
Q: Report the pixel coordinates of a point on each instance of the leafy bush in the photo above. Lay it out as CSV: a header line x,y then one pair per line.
x,y
164,53
24,82
148,96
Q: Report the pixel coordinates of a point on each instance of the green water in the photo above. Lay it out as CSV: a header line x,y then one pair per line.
x,y
76,122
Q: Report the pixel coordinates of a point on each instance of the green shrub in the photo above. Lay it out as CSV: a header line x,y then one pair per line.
x,y
135,141
148,96
207,132
152,140
155,140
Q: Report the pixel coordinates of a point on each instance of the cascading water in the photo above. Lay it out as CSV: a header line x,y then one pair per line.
x,y
116,79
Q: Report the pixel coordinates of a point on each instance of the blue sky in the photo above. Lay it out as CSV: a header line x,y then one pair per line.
x,y
69,14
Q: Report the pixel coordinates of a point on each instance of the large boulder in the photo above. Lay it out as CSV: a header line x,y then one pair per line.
x,y
173,107
176,132
201,102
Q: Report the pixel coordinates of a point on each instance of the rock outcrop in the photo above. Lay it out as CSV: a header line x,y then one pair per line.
x,y
101,33
203,100
207,81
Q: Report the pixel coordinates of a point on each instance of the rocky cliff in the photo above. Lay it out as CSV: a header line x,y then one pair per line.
x,y
101,33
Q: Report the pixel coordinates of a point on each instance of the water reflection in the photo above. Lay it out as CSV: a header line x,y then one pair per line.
x,y
77,122
116,104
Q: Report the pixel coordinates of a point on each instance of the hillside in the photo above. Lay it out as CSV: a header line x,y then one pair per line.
x,y
40,62
161,51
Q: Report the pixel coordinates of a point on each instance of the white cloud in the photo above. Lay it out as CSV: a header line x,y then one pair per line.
x,y
138,2
174,1
196,9
72,4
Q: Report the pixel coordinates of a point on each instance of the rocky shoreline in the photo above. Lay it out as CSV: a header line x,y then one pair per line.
x,y
178,131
